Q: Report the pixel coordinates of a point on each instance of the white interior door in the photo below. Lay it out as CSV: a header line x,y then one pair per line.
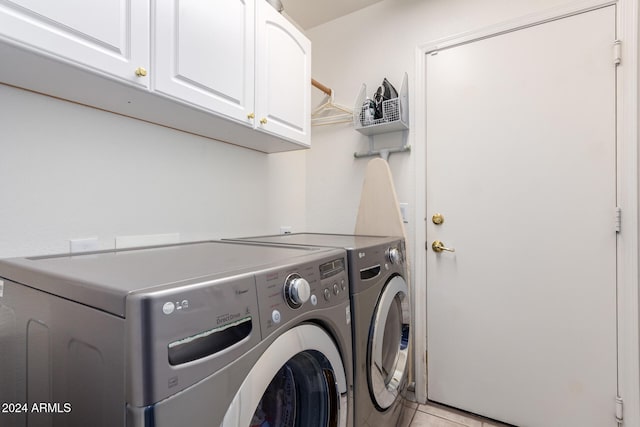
x,y
521,163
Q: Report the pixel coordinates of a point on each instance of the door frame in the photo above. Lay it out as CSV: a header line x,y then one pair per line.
x,y
627,76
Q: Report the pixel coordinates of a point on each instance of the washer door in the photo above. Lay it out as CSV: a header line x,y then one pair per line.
x,y
389,343
299,381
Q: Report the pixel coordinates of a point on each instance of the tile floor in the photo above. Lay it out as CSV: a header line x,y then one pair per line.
x,y
433,415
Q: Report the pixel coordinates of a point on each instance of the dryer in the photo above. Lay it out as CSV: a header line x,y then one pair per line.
x,y
381,315
199,334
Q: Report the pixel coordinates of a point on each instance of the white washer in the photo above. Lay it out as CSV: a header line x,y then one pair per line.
x,y
199,334
381,319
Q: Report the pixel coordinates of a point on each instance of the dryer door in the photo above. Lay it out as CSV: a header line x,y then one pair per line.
x,y
300,380
388,348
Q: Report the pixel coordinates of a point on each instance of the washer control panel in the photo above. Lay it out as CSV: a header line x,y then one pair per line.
x,y
284,294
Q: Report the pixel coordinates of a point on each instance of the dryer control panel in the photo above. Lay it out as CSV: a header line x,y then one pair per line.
x,y
286,293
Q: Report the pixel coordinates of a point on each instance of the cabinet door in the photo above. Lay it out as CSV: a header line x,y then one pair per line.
x,y
108,37
204,54
283,68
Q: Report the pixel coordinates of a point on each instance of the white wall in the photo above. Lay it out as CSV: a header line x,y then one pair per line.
x,y
68,171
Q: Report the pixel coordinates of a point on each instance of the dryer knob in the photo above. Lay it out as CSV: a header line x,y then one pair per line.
x,y
296,290
394,255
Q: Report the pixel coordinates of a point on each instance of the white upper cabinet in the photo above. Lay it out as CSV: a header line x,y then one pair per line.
x,y
283,68
204,54
238,58
232,70
108,37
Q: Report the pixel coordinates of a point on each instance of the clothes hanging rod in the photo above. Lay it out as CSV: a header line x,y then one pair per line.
x,y
322,87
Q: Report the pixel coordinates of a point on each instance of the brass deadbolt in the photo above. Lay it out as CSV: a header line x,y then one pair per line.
x,y
437,219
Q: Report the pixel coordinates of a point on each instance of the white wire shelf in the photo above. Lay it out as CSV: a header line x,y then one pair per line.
x,y
395,113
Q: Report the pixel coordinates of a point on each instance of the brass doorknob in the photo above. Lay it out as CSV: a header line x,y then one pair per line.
x,y
263,121
438,247
251,116
141,72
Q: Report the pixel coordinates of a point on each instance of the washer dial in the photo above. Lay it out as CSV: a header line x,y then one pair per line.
x,y
394,255
296,290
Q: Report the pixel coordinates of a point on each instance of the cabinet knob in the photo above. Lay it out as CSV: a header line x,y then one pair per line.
x,y
263,121
251,116
141,72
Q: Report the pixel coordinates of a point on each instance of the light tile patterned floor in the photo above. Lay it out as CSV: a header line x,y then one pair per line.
x,y
432,415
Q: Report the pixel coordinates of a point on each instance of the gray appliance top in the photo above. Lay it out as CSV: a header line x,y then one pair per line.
x,y
104,279
346,241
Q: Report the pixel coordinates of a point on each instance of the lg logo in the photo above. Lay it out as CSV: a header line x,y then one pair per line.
x,y
169,307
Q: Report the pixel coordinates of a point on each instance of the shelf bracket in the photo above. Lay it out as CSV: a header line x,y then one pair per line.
x,y
384,153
